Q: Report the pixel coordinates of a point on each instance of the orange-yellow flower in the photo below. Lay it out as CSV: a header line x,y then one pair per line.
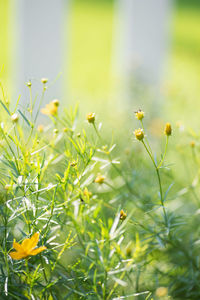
x,y
139,134
40,128
50,109
161,291
90,117
123,215
99,179
168,129
27,247
139,114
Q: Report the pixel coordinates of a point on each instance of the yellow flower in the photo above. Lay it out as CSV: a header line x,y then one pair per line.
x,y
50,109
27,247
56,102
29,84
87,193
14,117
90,117
55,131
99,179
168,129
192,144
161,291
129,251
139,114
44,80
123,215
40,128
139,134
73,163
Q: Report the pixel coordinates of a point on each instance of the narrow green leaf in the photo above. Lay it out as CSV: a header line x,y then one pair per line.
x,y
5,107
25,118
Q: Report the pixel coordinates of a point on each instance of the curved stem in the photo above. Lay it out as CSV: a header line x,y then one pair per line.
x,y
159,182
145,137
162,160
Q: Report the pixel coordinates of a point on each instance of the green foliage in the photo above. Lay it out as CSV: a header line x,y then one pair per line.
x,y
113,228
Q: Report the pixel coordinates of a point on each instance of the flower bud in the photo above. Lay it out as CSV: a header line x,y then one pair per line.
x,y
44,80
73,163
99,179
168,129
139,114
161,291
7,187
40,128
15,117
90,117
86,193
56,102
123,215
139,134
192,144
29,84
129,251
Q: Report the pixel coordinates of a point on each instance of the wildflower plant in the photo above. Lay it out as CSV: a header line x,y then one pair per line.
x,y
60,234
80,222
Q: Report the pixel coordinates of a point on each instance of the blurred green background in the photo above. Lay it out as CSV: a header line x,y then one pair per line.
x,y
90,54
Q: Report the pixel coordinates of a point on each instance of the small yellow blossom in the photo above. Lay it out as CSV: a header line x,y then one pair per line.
x,y
29,84
40,128
139,134
99,179
14,117
50,109
90,117
123,215
55,131
129,251
161,291
44,80
7,187
27,248
73,163
139,114
168,129
56,102
192,144
86,193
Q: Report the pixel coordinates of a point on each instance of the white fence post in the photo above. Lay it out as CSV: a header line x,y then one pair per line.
x,y
39,45
142,38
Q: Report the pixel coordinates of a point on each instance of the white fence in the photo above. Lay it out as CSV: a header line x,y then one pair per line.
x,y
141,39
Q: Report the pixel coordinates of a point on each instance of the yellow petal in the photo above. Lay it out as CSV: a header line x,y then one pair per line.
x,y
16,246
17,255
38,250
34,240
26,244
44,111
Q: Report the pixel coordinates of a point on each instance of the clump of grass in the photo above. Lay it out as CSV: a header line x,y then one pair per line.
x,y
76,223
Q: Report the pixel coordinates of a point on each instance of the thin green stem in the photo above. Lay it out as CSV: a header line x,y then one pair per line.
x,y
41,100
159,182
145,137
166,145
31,102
